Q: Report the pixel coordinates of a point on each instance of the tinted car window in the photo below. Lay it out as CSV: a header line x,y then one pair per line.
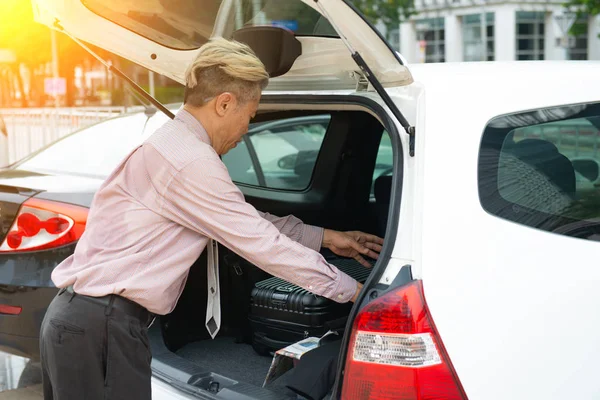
x,y
279,154
542,169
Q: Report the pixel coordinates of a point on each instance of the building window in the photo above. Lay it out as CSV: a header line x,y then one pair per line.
x,y
578,44
431,35
472,37
530,35
394,39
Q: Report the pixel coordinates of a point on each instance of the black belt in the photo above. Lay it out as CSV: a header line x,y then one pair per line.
x,y
113,301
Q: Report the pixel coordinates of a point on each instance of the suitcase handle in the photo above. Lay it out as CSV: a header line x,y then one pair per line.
x,y
286,289
279,299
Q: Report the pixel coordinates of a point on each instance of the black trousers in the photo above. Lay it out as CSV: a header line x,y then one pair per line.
x,y
95,349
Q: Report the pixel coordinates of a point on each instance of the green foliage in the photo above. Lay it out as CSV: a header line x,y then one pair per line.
x,y
18,32
590,7
584,8
390,12
578,28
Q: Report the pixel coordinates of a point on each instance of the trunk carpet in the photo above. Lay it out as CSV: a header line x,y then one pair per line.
x,y
237,361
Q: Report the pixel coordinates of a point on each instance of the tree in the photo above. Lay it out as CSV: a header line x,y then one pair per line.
x,y
29,40
583,8
31,43
389,12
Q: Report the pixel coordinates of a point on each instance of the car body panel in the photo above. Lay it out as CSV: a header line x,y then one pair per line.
x,y
515,306
162,390
19,334
55,183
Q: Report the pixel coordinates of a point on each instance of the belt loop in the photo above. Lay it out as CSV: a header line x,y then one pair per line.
x,y
61,291
109,307
72,295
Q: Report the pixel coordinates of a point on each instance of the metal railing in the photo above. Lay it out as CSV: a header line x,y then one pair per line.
x,y
30,129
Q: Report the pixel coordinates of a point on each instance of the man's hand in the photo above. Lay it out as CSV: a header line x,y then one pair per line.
x,y
353,244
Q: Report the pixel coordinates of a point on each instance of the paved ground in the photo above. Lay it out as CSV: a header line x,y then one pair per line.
x,y
20,378
30,393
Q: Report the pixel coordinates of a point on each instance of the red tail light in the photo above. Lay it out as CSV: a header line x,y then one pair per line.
x,y
396,353
44,224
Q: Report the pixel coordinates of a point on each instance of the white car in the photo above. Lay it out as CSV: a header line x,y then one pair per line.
x,y
487,286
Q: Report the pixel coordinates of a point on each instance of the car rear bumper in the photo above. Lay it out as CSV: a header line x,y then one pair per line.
x,y
19,334
21,346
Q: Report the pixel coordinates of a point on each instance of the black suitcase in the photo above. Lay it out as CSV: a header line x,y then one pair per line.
x,y
282,313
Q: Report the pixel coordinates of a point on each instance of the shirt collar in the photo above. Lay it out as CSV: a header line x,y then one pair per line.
x,y
193,124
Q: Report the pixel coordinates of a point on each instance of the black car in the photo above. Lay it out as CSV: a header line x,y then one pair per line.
x,y
44,201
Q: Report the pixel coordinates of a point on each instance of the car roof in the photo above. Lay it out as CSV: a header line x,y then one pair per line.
x,y
505,87
524,69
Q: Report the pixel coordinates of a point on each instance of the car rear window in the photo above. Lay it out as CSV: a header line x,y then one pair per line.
x,y
93,151
278,154
188,24
541,169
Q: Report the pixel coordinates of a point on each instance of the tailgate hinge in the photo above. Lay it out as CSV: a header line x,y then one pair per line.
x,y
362,83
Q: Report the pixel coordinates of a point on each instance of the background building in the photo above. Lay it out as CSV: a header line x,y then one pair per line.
x,y
454,30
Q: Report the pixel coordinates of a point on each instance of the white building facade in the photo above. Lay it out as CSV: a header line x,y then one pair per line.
x,y
455,30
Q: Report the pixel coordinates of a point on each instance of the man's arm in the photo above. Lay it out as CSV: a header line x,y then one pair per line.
x,y
203,198
307,235
352,244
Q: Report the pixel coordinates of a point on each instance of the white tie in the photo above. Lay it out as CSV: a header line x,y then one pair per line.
x,y
213,305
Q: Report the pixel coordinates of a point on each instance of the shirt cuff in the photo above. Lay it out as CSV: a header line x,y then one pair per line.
x,y
346,289
312,237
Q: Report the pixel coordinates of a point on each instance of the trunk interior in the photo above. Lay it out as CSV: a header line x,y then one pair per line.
x,y
344,194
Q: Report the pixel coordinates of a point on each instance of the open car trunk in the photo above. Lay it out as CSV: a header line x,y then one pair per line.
x,y
348,188
183,349
233,360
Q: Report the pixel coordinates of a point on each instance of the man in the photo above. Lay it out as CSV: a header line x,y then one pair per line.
x,y
152,218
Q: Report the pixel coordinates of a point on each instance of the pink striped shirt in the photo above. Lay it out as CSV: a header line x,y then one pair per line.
x,y
153,216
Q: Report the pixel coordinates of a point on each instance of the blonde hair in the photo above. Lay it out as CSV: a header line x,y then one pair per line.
x,y
224,66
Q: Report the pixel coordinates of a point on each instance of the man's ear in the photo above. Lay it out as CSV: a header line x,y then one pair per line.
x,y
224,103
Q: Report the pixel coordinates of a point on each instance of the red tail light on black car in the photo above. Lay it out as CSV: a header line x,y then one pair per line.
x,y
395,352
44,224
